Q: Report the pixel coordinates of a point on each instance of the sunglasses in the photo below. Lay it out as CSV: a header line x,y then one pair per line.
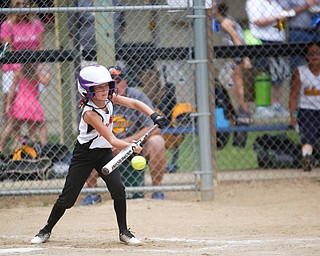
x,y
23,4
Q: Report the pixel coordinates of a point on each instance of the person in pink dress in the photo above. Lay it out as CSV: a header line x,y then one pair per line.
x,y
23,31
23,105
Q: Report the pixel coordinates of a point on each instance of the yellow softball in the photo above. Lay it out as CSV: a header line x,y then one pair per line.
x,y
138,163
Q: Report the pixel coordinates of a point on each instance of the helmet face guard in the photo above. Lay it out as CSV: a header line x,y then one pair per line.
x,y
113,89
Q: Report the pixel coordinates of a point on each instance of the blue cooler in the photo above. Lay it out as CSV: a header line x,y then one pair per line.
x,y
221,121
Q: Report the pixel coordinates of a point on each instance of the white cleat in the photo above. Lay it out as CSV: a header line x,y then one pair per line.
x,y
41,237
128,238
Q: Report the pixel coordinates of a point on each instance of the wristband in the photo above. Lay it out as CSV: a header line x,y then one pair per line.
x,y
295,114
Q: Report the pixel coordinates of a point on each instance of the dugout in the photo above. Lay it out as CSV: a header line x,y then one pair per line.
x,y
148,52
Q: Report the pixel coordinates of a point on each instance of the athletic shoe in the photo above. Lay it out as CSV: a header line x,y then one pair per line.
x,y
172,168
91,199
265,112
158,195
41,237
128,238
244,117
307,163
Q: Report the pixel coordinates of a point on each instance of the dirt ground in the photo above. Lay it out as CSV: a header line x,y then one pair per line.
x,y
279,217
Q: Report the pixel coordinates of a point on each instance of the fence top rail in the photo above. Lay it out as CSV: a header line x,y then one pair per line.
x,y
95,9
161,53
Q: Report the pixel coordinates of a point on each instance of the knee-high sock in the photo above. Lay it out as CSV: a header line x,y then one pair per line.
x,y
55,215
120,208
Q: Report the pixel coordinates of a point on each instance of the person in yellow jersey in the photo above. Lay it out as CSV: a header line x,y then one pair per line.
x,y
304,104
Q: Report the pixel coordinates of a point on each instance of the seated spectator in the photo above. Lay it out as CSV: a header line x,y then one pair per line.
x,y
233,35
300,29
305,103
264,16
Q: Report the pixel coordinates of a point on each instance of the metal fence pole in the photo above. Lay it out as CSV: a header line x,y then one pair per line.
x,y
64,73
202,90
106,53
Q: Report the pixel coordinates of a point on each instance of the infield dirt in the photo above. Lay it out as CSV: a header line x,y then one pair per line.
x,y
275,217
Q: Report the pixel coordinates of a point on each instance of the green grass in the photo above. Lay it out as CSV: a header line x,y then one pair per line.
x,y
189,156
229,158
235,158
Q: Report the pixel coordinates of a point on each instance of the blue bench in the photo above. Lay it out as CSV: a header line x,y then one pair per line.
x,y
249,128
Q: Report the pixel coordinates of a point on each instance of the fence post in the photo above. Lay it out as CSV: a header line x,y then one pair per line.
x,y
64,74
202,89
106,52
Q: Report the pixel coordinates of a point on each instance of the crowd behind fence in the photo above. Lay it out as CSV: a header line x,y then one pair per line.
x,y
250,90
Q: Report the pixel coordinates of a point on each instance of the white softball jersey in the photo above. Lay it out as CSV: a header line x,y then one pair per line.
x,y
309,90
88,133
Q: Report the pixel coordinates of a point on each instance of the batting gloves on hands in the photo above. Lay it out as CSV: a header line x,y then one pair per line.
x,y
159,120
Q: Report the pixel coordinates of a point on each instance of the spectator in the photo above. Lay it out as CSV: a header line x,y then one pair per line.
x,y
305,103
233,35
22,31
263,16
136,125
300,25
154,149
23,104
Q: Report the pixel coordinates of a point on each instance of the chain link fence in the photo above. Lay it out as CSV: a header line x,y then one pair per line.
x,y
260,53
250,87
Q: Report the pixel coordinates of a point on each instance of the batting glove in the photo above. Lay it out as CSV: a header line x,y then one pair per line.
x,y
159,120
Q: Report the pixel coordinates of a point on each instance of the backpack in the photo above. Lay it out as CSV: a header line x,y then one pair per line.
x,y
178,113
168,100
277,151
56,152
26,162
223,102
26,149
60,156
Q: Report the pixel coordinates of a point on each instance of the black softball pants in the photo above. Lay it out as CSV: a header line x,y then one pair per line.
x,y
84,160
